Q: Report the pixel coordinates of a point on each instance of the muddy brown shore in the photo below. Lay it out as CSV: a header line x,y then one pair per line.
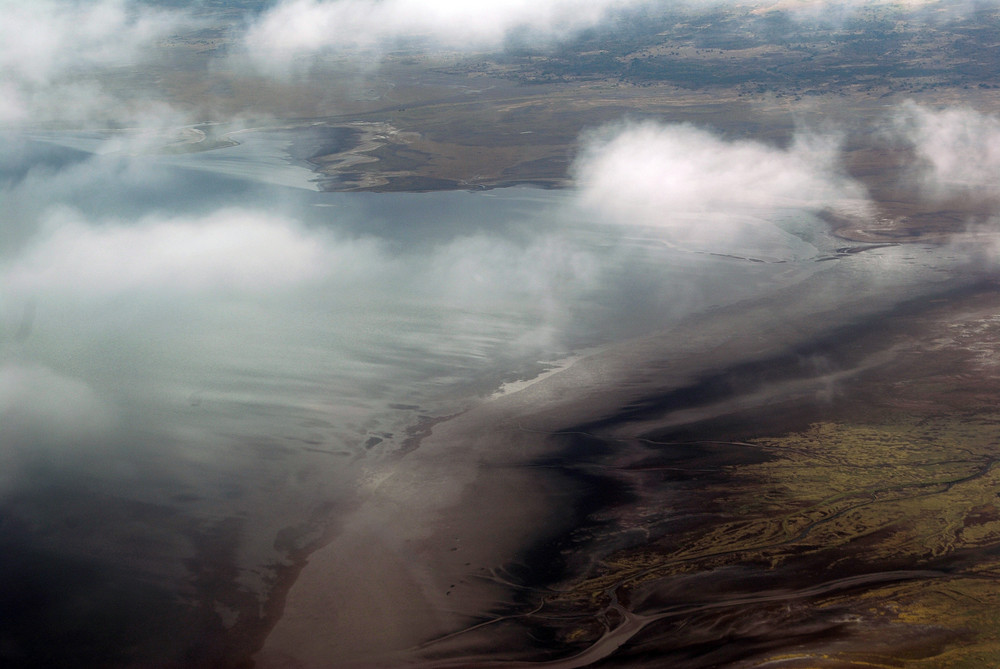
x,y
813,528
848,528
830,502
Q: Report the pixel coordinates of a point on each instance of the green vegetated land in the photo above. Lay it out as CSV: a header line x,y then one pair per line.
x,y
868,536
866,544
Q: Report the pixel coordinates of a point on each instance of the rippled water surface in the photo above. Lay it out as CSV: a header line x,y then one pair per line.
x,y
203,358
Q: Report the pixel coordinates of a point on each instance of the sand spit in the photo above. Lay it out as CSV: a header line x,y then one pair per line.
x,y
342,165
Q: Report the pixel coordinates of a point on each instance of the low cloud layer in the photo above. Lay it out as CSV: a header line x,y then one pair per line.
x,y
49,50
77,61
957,150
955,166
231,250
296,28
697,188
272,325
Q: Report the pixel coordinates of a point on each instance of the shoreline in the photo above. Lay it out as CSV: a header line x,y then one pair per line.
x,y
696,463
453,546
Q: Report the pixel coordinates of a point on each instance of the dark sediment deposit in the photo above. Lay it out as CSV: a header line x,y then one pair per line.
x,y
837,530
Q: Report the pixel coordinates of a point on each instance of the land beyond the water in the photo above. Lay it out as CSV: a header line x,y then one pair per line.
x,y
788,518
826,498
832,503
822,492
479,120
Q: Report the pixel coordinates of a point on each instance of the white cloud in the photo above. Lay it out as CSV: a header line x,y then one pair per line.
x,y
49,49
696,187
162,277
45,38
956,165
230,250
297,28
957,150
303,27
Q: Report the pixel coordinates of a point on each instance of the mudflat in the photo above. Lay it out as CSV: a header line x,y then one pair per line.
x,y
826,496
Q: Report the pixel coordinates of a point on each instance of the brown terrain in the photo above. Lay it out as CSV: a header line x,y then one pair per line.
x,y
773,514
849,518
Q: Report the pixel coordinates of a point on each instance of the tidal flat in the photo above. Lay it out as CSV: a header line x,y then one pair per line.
x,y
697,517
659,336
849,525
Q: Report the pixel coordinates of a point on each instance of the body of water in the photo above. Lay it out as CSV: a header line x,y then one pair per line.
x,y
206,362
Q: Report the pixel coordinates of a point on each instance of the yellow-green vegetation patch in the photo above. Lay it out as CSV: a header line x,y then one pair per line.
x,y
931,483
886,531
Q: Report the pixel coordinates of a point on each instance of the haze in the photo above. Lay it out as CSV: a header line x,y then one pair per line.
x,y
411,333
